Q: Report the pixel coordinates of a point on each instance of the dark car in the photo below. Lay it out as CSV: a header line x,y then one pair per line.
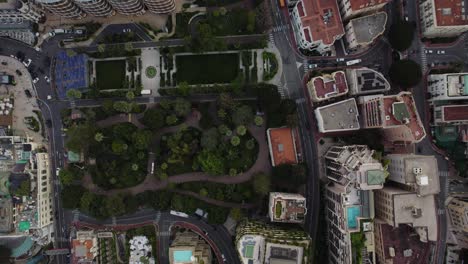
x,y
48,123
4,63
19,72
28,93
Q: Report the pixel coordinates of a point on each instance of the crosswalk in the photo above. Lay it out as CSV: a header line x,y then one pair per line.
x,y
151,100
281,91
423,59
443,173
114,220
306,66
280,28
76,215
164,233
440,211
271,38
72,103
158,217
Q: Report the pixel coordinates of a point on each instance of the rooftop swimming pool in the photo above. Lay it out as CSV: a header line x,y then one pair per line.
x,y
182,256
353,213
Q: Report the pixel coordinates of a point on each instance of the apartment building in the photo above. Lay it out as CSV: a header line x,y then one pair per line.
x,y
259,243
30,11
18,11
282,146
353,8
447,87
361,32
128,7
44,191
84,248
443,18
353,175
363,80
287,207
338,117
414,173
457,210
189,248
395,114
317,24
327,86
98,8
160,6
63,8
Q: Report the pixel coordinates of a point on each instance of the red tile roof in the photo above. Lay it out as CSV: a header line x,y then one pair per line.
x,y
325,86
320,28
455,113
449,13
361,4
87,244
400,239
282,146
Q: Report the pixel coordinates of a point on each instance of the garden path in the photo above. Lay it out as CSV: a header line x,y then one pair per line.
x,y
262,164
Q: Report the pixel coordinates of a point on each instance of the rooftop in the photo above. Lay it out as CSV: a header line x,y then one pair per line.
x,y
283,254
287,207
282,146
327,86
396,241
451,13
367,28
455,112
251,249
339,116
361,4
84,247
321,19
457,84
420,172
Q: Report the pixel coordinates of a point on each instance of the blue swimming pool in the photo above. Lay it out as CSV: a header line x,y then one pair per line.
x,y
182,255
353,213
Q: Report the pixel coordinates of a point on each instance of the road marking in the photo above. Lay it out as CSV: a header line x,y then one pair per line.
x,y
271,38
443,173
441,211
423,59
114,220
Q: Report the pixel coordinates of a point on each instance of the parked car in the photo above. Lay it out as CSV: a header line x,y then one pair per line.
x,y
27,62
441,52
36,80
339,59
429,51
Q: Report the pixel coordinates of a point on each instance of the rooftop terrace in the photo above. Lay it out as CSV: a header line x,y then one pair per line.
x,y
451,13
339,116
368,28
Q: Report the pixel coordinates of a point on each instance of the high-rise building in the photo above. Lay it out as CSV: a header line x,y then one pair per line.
x,y
338,117
415,173
96,7
396,114
63,8
30,11
457,209
396,206
189,248
442,18
45,215
448,86
361,32
128,7
353,175
287,207
259,243
160,6
317,24
354,8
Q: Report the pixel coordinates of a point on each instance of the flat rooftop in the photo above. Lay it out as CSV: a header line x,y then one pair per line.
x,y
399,239
283,254
451,13
287,207
321,20
455,112
370,81
339,116
417,211
368,28
401,110
361,4
282,146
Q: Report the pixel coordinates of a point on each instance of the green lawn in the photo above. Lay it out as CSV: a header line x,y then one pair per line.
x,y
206,69
110,74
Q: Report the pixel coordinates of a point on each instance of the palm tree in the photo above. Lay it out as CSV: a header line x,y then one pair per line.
x,y
98,137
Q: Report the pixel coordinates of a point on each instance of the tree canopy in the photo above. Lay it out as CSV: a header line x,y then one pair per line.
x,y
401,35
405,73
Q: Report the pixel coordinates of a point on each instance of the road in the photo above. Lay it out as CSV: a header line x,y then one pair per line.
x,y
217,234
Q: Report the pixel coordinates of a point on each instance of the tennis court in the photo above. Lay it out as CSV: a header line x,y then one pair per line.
x,y
71,72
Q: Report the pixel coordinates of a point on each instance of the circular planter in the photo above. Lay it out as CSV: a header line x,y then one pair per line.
x,y
150,72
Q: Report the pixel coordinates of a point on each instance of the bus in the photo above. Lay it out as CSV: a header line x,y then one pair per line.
x,y
180,214
352,62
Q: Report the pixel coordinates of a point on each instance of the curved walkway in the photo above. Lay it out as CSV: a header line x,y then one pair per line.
x,y
150,183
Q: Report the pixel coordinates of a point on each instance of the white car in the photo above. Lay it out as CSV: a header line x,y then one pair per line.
x,y
57,171
429,51
47,79
127,30
224,258
339,59
51,33
27,62
36,80
49,97
312,66
441,52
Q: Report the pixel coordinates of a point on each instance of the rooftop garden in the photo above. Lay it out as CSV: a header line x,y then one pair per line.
x,y
278,209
